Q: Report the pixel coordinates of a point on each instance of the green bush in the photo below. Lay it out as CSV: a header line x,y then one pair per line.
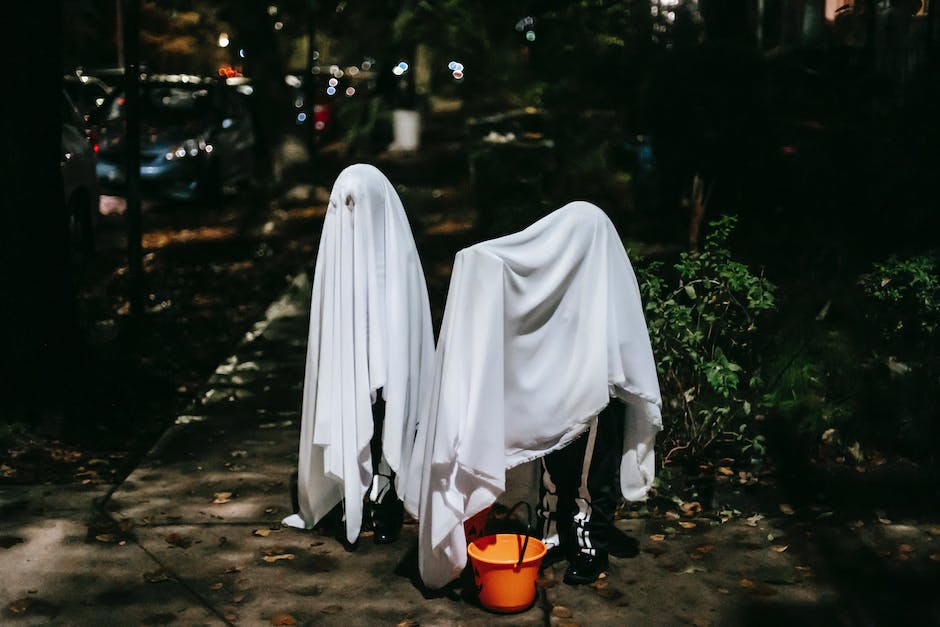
x,y
902,310
702,327
904,298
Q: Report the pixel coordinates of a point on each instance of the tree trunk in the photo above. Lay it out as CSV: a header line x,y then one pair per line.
x,y
39,324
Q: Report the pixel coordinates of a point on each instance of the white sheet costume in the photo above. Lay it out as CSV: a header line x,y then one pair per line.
x,y
541,327
370,328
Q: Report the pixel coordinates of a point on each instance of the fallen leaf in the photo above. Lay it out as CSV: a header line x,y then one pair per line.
x,y
786,509
746,583
19,606
179,540
274,558
156,576
264,533
332,609
657,537
905,549
238,598
686,524
691,570
934,531
780,548
935,557
216,586
704,549
233,569
692,507
230,617
221,497
283,620
670,515
560,611
723,590
105,537
725,471
751,521
407,622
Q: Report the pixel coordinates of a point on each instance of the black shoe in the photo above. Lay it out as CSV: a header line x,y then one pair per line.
x,y
586,568
554,555
386,521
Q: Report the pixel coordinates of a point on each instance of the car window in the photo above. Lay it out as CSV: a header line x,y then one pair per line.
x,y
70,114
167,104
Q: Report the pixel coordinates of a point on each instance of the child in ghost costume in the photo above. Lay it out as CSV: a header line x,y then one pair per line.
x,y
369,354
541,329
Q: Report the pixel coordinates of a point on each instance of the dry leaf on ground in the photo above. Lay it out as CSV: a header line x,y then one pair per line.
x,y
786,509
332,609
725,471
751,521
560,611
216,586
176,539
221,497
686,524
105,537
692,507
18,606
657,537
264,533
780,548
283,620
274,558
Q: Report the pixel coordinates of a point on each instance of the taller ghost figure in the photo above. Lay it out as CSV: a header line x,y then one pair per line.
x,y
541,329
370,340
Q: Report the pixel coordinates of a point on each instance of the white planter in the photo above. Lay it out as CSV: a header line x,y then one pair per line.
x,y
406,130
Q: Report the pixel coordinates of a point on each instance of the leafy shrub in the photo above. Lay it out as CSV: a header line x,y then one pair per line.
x,y
903,313
906,298
702,329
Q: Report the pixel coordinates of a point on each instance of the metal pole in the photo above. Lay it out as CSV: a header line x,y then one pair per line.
x,y
131,23
310,79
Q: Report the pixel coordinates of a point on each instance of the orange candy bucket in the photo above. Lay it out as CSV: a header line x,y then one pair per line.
x,y
505,567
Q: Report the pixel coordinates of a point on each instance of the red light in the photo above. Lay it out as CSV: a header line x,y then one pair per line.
x,y
95,147
121,100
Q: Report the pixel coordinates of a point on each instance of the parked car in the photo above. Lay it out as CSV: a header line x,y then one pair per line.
x,y
87,93
78,176
197,137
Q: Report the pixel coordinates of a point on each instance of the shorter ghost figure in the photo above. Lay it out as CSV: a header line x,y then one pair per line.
x,y
369,353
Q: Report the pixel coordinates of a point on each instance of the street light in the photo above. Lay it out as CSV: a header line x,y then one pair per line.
x,y
223,40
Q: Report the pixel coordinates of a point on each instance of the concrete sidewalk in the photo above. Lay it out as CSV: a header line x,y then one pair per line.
x,y
193,536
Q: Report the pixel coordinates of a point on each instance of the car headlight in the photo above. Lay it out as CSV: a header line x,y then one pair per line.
x,y
189,148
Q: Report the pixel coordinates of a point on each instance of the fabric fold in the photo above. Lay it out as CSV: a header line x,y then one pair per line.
x,y
540,329
370,330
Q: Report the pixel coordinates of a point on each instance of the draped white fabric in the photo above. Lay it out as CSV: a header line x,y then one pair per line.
x,y
541,327
370,328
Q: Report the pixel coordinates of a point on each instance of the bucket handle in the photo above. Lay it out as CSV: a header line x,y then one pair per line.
x,y
529,528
